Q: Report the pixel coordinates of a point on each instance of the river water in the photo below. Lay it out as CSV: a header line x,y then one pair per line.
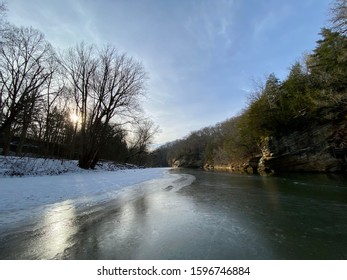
x,y
200,215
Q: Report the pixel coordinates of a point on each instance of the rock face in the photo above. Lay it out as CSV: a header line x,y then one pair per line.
x,y
320,147
187,162
235,167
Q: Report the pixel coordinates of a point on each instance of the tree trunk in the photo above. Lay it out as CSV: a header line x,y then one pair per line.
x,y
7,137
26,122
85,161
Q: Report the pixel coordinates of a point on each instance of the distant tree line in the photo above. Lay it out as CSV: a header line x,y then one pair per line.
x,y
313,85
83,103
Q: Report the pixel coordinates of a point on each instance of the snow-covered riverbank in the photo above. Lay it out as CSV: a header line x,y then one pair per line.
x,y
30,166
24,198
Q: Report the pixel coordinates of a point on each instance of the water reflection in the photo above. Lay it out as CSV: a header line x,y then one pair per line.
x,y
148,227
223,213
59,227
273,189
47,239
172,223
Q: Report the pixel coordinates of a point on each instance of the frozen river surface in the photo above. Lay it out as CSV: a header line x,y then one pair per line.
x,y
195,215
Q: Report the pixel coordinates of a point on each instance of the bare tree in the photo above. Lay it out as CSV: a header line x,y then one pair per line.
x,y
53,92
25,118
105,85
339,16
23,71
3,10
80,65
142,138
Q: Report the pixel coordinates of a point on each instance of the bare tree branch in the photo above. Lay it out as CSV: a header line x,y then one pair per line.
x,y
339,16
23,71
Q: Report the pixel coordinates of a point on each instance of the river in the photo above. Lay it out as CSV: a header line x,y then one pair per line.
x,y
200,215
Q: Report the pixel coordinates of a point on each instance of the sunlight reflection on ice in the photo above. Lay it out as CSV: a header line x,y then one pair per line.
x,y
59,228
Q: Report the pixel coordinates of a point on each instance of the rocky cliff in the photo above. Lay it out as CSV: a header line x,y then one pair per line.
x,y
319,147
187,162
316,143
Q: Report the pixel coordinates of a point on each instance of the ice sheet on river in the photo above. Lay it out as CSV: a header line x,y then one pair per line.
x,y
24,199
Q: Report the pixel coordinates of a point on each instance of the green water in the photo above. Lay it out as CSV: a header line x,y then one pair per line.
x,y
289,217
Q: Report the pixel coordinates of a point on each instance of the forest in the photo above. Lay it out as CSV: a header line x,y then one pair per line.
x,y
313,93
80,103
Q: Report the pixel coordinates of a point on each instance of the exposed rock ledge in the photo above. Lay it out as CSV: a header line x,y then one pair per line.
x,y
187,162
320,148
234,167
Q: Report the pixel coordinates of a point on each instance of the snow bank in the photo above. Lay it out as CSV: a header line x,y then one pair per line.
x,y
24,198
29,166
27,192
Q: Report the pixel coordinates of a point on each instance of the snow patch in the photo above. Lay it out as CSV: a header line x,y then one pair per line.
x,y
27,197
30,166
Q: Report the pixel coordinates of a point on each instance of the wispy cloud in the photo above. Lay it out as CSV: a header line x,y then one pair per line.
x,y
270,20
63,22
210,23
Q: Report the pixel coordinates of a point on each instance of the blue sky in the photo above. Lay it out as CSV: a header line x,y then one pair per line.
x,y
202,56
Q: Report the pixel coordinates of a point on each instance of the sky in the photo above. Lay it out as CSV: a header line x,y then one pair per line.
x,y
203,57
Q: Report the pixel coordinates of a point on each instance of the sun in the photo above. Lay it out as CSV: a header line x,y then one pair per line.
x,y
74,118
